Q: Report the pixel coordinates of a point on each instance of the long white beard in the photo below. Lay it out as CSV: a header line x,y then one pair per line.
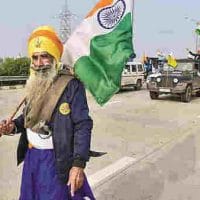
x,y
38,84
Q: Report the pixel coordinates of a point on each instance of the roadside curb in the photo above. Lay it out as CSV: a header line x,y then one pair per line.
x,y
11,87
106,174
110,171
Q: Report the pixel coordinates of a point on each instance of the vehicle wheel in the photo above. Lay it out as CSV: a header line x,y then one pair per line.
x,y
198,94
138,85
154,95
186,97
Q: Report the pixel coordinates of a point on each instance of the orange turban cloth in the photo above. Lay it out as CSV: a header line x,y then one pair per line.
x,y
45,39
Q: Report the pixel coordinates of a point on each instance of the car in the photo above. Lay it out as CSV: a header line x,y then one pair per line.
x,y
133,75
183,80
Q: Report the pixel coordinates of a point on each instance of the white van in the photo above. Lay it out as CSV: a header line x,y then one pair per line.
x,y
133,75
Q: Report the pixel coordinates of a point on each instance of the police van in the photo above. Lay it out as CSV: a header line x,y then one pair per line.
x,y
133,75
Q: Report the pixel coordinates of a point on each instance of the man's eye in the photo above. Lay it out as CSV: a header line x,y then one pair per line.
x,y
34,57
44,56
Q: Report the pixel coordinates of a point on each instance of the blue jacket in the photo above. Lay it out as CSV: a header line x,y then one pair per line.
x,y
71,132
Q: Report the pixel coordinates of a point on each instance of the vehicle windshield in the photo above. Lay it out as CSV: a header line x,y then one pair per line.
x,y
180,67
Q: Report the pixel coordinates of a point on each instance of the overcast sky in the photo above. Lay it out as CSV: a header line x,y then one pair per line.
x,y
167,25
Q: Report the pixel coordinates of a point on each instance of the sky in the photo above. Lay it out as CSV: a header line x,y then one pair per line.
x,y
165,25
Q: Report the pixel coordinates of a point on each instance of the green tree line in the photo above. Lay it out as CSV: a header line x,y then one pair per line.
x,y
14,66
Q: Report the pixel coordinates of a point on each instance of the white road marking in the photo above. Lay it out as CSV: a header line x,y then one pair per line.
x,y
112,102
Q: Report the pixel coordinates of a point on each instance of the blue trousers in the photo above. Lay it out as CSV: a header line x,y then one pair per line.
x,y
40,182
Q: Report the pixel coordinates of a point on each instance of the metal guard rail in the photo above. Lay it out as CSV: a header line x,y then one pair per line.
x,y
13,78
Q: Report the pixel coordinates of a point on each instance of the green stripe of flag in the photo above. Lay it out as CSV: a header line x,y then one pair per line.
x,y
197,31
101,70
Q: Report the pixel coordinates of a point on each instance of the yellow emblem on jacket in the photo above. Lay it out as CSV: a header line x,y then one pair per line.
x,y
64,109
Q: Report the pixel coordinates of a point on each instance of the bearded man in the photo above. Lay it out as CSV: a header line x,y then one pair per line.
x,y
55,126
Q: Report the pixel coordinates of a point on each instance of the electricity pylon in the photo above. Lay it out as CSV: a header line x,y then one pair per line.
x,y
66,18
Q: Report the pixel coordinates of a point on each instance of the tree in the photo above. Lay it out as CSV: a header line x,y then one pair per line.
x,y
15,67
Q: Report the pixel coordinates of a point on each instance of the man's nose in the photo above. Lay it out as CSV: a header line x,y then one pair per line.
x,y
39,61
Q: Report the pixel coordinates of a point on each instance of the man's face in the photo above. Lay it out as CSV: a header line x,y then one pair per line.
x,y
43,76
41,61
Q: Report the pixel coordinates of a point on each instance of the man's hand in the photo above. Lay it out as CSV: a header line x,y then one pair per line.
x,y
76,178
6,127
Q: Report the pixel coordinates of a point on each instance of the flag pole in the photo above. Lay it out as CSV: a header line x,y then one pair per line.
x,y
133,19
196,42
13,115
17,109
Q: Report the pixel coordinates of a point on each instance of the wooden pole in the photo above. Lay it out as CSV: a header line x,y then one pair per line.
x,y
17,109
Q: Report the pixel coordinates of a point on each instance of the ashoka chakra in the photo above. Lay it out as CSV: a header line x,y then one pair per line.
x,y
110,16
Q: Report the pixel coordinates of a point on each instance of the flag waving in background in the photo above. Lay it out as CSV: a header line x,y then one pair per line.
x,y
144,58
100,47
171,60
197,30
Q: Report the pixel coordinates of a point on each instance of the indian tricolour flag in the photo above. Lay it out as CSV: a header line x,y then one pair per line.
x,y
100,47
198,29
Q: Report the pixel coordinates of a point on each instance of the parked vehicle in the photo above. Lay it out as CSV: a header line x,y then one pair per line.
x,y
133,75
184,80
153,65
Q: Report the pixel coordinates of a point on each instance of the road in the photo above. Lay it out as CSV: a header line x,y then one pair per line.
x,y
130,124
